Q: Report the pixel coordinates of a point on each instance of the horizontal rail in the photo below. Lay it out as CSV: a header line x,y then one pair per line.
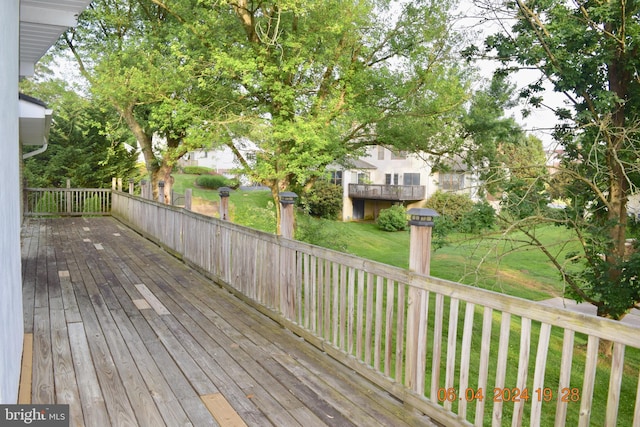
x,y
465,356
67,201
387,192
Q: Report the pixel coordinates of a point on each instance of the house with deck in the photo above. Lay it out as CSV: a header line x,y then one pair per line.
x,y
383,177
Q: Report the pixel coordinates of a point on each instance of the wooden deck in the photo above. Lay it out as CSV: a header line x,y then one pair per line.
x,y
128,335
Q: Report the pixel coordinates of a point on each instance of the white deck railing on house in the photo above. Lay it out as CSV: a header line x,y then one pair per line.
x,y
66,201
478,357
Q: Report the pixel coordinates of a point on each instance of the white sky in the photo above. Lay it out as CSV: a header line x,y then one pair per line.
x,y
541,121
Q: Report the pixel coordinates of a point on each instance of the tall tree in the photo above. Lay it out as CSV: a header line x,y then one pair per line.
x,y
313,82
309,83
85,141
124,50
587,51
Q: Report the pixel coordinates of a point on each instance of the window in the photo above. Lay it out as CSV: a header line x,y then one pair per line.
x,y
336,178
451,181
411,179
380,152
363,178
391,179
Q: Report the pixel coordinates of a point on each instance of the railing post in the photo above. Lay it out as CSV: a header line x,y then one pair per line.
x,y
161,191
288,268
119,184
287,219
421,223
224,203
114,182
68,197
143,188
131,186
187,199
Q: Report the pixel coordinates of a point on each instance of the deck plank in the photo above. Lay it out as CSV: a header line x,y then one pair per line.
x,y
193,355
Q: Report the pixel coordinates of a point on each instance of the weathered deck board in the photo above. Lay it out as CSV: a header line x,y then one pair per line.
x,y
195,349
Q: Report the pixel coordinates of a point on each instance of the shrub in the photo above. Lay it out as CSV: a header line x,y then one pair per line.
x,y
393,218
324,200
197,170
481,217
213,181
451,205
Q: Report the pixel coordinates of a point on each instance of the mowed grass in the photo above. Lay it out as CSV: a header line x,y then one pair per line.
x,y
496,262
502,263
507,266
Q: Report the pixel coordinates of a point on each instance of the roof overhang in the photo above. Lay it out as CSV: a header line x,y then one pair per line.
x,y
41,24
35,121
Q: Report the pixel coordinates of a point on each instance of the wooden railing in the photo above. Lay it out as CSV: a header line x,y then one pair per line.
x,y
387,192
66,201
479,357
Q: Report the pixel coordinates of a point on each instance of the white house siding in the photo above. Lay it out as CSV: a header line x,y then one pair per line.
x,y
11,326
379,161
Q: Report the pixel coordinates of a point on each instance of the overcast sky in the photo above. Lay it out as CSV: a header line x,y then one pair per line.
x,y
541,121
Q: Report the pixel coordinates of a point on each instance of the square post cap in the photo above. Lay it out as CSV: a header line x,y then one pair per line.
x,y
422,217
224,191
160,183
287,197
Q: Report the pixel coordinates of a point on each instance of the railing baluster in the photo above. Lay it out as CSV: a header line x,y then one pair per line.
x,y
351,307
523,369
501,367
586,394
615,381
452,334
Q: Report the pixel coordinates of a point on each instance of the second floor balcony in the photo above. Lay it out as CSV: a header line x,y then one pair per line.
x,y
387,192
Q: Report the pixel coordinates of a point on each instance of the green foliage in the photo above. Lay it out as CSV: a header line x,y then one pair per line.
x,y
92,204
393,218
323,200
85,141
453,206
587,51
214,181
197,170
481,217
47,203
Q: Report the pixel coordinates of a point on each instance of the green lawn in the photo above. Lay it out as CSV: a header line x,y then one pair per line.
x,y
499,263
502,265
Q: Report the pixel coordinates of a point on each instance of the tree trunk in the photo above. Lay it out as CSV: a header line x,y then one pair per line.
x,y
275,193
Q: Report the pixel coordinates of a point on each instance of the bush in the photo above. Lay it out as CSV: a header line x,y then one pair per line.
x,y
324,200
451,205
213,181
481,217
197,170
393,218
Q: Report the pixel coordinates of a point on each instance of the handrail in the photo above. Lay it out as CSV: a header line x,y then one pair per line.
x,y
358,312
387,192
66,201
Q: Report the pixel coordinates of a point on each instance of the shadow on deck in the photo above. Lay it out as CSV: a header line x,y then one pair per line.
x,y
128,335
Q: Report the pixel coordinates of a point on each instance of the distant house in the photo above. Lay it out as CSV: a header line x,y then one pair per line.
x,y
382,178
222,160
